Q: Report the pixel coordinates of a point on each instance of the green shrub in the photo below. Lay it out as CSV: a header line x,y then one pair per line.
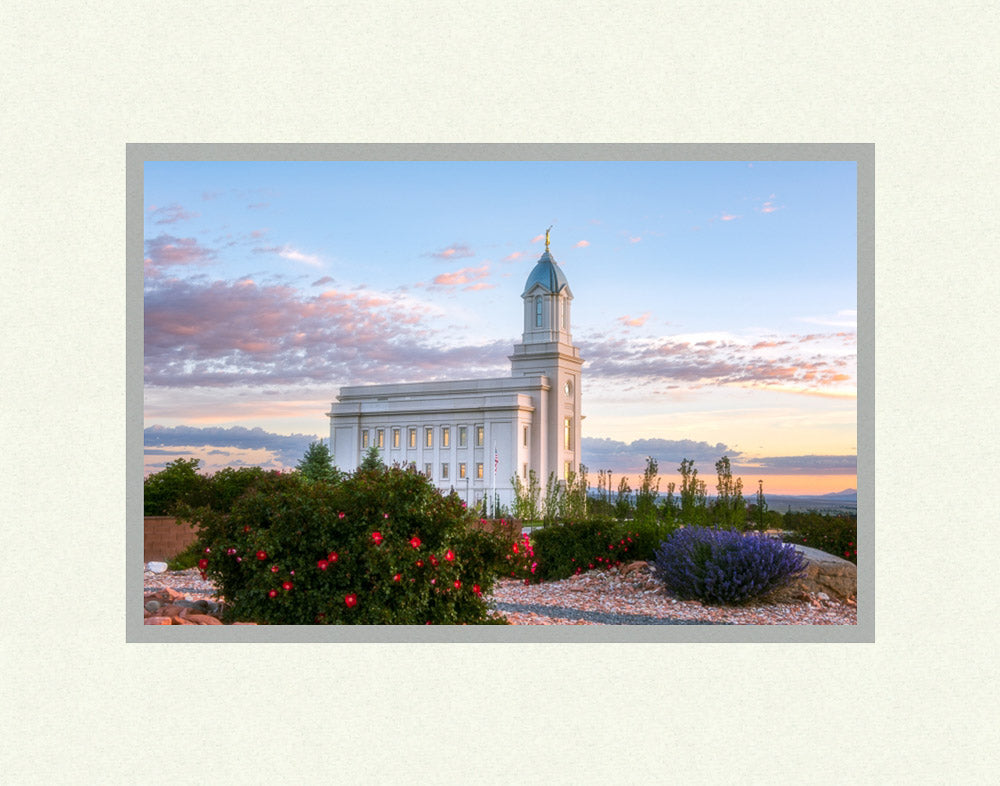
x,y
569,549
381,547
834,533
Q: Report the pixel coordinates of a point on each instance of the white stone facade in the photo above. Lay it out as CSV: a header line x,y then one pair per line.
x,y
474,435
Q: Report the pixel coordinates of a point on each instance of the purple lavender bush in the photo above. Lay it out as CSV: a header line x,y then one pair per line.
x,y
725,567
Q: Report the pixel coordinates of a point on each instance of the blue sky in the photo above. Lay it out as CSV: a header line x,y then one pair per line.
x,y
715,302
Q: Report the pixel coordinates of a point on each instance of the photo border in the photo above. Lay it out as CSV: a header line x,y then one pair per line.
x,y
863,154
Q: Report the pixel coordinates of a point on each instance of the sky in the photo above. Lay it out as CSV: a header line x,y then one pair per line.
x,y
715,303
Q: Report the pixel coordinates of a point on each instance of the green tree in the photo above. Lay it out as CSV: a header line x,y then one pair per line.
x,y
372,460
694,510
623,502
729,510
178,483
646,494
526,497
669,509
317,463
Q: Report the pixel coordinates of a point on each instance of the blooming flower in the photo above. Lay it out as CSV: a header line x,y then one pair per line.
x,y
286,586
341,515
208,550
475,588
202,564
272,594
322,564
333,556
397,577
385,515
457,584
230,552
351,600
415,542
262,555
449,555
274,569
377,537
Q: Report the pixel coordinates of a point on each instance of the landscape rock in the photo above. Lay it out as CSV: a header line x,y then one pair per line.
x,y
152,605
156,567
158,621
203,619
634,567
827,574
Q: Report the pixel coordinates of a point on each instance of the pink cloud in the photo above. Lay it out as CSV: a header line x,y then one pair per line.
x,y
466,275
456,251
634,321
634,239
537,238
582,244
169,251
513,257
481,285
170,214
728,217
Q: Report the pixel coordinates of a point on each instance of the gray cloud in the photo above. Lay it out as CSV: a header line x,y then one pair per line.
x,y
801,465
630,457
289,449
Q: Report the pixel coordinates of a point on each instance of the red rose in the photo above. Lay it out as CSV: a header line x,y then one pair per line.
x,y
449,555
397,577
322,564
274,569
415,542
286,586
351,600
475,588
261,555
272,594
341,515
202,564
377,537
457,584
333,556
420,563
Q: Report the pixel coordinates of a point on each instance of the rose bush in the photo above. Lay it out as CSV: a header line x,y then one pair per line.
x,y
382,546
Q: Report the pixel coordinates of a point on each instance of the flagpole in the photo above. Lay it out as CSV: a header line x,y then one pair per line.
x,y
496,461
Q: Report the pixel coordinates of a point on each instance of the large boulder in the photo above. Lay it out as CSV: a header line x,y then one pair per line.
x,y
827,573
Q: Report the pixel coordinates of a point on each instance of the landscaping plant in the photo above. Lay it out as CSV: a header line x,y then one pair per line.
x,y
724,566
383,546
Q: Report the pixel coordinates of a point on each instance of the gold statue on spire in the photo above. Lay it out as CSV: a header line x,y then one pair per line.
x,y
547,238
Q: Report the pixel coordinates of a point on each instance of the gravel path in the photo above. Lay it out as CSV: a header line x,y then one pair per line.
x,y
597,598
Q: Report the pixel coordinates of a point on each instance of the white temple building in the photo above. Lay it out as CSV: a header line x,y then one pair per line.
x,y
474,435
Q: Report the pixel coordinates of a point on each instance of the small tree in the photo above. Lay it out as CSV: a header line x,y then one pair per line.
x,y
177,483
623,502
553,503
526,497
646,494
317,463
372,460
729,510
693,495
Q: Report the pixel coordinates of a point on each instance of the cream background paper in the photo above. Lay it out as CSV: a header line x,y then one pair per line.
x,y
81,81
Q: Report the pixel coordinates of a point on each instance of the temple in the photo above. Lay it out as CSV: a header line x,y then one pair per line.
x,y
474,435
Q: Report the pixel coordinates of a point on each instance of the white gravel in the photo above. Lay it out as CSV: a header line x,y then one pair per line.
x,y
605,592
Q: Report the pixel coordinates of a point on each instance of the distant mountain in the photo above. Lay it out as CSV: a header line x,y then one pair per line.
x,y
845,494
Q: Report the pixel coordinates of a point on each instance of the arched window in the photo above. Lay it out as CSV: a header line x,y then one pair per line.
x,y
538,311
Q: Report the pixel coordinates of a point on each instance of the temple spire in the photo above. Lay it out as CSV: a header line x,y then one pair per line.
x,y
547,238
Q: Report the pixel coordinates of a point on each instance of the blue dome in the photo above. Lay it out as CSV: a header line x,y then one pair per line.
x,y
547,273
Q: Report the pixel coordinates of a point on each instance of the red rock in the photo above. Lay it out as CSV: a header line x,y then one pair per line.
x,y
203,619
157,621
181,621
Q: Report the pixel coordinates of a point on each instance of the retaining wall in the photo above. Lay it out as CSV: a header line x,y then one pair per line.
x,y
164,537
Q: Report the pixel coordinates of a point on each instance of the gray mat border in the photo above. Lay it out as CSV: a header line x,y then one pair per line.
x,y
861,153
